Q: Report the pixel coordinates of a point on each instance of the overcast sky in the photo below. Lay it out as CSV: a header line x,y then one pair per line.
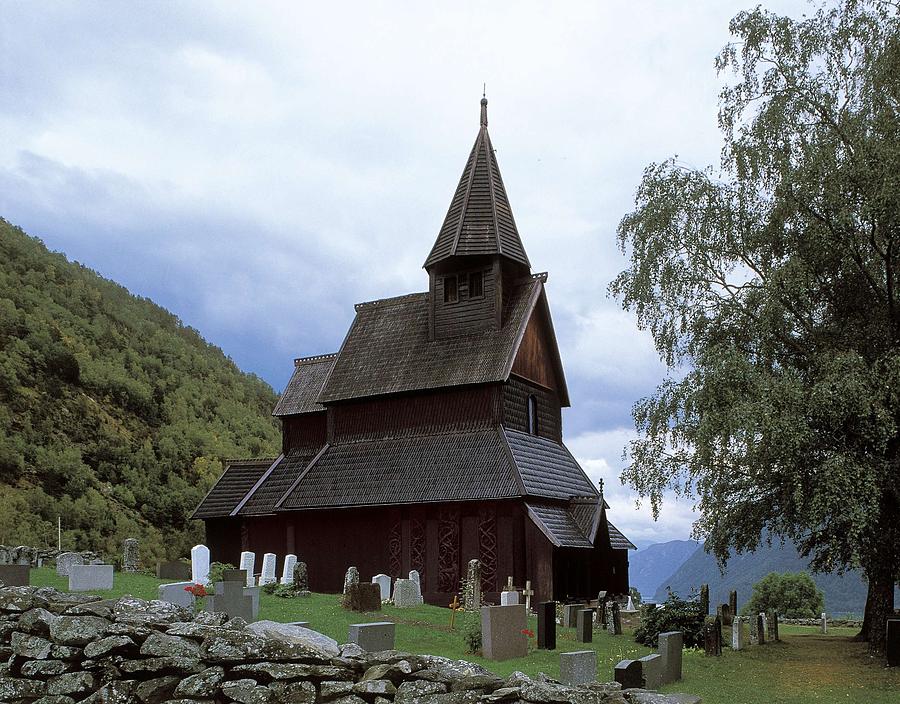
x,y
258,168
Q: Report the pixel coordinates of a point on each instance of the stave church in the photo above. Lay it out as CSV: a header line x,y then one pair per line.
x,y
434,434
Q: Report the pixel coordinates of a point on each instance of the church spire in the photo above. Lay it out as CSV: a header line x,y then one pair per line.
x,y
479,220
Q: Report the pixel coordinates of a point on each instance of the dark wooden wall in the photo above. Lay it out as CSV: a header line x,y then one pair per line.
x,y
467,314
534,361
303,430
515,408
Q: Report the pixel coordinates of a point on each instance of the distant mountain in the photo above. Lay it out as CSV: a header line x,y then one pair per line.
x,y
843,595
649,566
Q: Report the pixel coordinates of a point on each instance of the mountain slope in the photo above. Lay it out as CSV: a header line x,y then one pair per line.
x,y
843,594
649,566
114,416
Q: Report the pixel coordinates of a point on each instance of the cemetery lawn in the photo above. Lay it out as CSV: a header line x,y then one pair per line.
x,y
805,667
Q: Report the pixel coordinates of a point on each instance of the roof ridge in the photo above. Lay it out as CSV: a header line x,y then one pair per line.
x,y
233,460
390,301
314,359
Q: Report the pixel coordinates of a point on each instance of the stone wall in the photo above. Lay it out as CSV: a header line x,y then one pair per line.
x,y
23,554
61,648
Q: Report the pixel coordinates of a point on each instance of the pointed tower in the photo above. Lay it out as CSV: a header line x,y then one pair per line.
x,y
477,249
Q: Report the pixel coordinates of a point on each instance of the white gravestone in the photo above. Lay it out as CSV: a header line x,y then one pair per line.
x,y
175,593
629,607
248,562
509,598
824,622
268,569
384,583
287,571
200,564
414,576
738,641
765,628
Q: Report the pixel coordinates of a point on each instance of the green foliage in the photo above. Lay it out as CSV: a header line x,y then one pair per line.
x,y
270,587
285,591
216,574
470,623
792,595
635,596
772,291
113,414
675,614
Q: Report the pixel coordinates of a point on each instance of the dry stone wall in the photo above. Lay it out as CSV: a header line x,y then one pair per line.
x,y
25,555
61,648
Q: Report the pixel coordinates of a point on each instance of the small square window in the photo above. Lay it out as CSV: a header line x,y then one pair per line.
x,y
476,284
450,292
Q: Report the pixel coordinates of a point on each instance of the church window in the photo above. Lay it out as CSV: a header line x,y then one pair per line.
x,y
476,284
532,415
451,295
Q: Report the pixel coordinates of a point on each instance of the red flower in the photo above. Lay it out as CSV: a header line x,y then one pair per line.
x,y
528,633
197,590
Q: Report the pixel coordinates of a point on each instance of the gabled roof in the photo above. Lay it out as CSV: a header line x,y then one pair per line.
x,y
270,487
547,468
237,479
305,385
388,350
617,540
479,220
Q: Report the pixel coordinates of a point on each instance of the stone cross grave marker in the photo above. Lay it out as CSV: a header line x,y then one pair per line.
x,y
671,644
578,667
231,599
351,577
384,584
65,560
738,639
248,563
267,576
287,572
130,557
584,626
472,595
528,592
502,634
546,625
200,564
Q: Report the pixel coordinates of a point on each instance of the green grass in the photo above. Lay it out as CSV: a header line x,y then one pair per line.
x,y
805,667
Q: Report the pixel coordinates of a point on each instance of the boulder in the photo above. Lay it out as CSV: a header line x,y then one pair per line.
x,y
78,630
111,645
163,645
71,683
37,622
247,691
286,642
115,692
157,690
28,646
203,684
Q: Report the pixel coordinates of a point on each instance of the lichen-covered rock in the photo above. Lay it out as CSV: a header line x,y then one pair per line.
x,y
349,699
13,688
504,694
21,599
438,669
351,650
71,683
137,632
267,671
78,630
130,609
103,609
203,684
66,652
37,622
55,699
157,690
211,618
643,696
29,646
45,668
485,683
410,692
116,692
111,645
395,672
174,665
294,692
56,597
331,689
247,691
188,629
162,645
372,687
284,641
232,646
545,693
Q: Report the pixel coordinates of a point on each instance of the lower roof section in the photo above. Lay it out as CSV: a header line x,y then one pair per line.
x,y
238,478
558,525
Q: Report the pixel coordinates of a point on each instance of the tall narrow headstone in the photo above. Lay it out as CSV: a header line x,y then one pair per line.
x,y
761,629
732,602
130,557
352,577
772,622
287,572
754,630
712,636
613,619
200,564
704,599
724,613
765,636
738,639
546,625
824,622
472,594
892,642
584,631
248,563
267,576
414,576
384,584
671,644
301,578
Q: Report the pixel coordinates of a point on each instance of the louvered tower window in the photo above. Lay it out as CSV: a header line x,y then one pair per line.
x,y
476,284
532,415
451,294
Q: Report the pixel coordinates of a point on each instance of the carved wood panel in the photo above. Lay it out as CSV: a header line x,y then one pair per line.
x,y
448,551
395,548
487,548
417,548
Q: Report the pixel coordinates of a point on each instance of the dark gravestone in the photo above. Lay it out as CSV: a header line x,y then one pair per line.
x,y
601,610
772,618
725,614
15,575
629,674
546,625
363,596
704,599
584,626
235,576
613,619
230,599
570,614
760,630
174,569
892,644
732,603
712,636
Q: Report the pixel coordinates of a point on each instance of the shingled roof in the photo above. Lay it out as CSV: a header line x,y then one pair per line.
x,y
302,392
618,540
237,479
558,524
479,220
270,487
388,350
548,468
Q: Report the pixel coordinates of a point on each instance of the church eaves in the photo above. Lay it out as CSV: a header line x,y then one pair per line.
x,y
479,220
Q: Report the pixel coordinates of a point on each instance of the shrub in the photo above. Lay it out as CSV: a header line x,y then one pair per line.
x,y
792,595
471,631
675,614
215,573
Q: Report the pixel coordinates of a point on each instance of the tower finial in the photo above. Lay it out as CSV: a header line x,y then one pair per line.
x,y
484,107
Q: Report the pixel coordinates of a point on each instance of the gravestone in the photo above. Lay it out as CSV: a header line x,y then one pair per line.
x,y
772,623
732,602
528,592
406,594
232,599
629,607
414,576
200,564
509,598
175,593
472,595
267,576
173,569
301,579
629,674
234,576
892,642
724,614
130,558
15,575
85,578
704,599
65,560
248,563
613,619
652,671
712,636
546,625
373,637
501,632
584,630
824,622
764,630
570,614
738,634
671,644
287,572
363,596
351,577
578,667
384,585
757,630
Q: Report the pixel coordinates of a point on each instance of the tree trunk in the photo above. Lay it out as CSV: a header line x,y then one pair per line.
x,y
879,608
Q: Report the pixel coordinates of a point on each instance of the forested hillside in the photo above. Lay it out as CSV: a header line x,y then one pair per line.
x,y
113,414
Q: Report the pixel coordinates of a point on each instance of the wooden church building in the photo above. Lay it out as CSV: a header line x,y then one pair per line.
x,y
434,435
